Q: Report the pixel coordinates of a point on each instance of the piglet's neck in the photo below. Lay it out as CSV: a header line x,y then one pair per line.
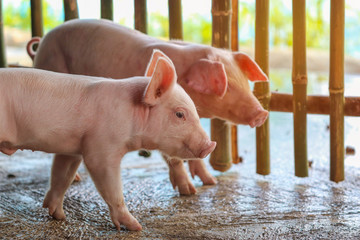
x,y
184,55
142,137
139,138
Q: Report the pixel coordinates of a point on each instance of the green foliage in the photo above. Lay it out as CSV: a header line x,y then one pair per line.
x,y
51,18
158,25
280,24
317,29
197,29
20,16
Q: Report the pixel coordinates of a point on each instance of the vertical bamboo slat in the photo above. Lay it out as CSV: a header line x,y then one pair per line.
x,y
175,20
71,9
2,40
107,9
299,81
261,89
36,18
234,47
141,25
336,89
220,158
140,15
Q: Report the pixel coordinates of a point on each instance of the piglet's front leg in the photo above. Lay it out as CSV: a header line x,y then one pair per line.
x,y
198,168
104,170
179,177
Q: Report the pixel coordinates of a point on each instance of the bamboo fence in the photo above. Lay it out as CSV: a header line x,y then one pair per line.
x,y
336,89
107,11
71,9
234,47
140,15
2,40
299,103
220,158
262,89
36,18
175,20
299,81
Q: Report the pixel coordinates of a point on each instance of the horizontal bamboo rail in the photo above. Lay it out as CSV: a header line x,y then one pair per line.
x,y
316,104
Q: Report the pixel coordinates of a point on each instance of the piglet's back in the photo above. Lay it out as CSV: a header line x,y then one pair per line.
x,y
50,107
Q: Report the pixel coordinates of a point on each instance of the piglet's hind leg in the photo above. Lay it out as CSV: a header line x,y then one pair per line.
x,y
62,174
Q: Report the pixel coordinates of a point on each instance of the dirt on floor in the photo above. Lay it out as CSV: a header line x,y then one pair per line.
x,y
243,205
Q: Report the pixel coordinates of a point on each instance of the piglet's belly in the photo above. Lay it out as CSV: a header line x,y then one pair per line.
x,y
7,148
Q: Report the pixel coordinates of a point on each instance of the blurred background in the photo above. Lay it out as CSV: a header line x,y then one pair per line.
x,y
197,28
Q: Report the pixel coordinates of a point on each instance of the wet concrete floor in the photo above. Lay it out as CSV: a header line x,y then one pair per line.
x,y
243,205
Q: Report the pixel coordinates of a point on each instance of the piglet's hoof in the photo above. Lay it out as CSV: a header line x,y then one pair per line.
x,y
54,205
198,168
180,179
77,178
123,216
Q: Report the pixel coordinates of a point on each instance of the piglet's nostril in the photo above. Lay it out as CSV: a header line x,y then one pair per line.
x,y
208,148
259,119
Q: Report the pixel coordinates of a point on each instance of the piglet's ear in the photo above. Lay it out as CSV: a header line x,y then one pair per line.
x,y
156,54
249,67
161,83
206,76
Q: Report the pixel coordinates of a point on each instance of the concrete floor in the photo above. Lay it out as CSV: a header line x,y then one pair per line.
x,y
243,205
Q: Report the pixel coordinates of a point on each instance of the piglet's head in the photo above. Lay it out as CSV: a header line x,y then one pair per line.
x,y
173,121
219,87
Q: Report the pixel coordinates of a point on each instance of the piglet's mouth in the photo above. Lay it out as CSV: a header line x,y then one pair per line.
x,y
207,149
188,152
203,152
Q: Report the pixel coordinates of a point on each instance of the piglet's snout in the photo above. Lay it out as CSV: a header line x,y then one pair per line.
x,y
207,148
259,118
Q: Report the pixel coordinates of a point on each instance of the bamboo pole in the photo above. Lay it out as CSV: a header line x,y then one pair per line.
x,y
107,11
299,81
234,47
220,158
71,9
3,63
336,90
282,102
175,19
36,18
140,15
261,89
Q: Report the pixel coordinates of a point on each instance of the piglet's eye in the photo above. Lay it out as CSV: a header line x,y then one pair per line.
x,y
179,114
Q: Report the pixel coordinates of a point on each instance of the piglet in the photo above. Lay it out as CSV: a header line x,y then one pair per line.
x,y
215,79
99,120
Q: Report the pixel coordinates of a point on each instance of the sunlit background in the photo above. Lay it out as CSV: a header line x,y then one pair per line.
x,y
197,28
